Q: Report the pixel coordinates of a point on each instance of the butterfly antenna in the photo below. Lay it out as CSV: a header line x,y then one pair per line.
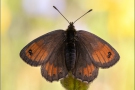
x,y
83,15
61,14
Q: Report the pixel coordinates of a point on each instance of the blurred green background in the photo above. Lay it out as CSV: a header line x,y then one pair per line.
x,y
24,20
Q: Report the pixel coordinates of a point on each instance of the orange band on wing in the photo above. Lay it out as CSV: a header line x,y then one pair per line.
x,y
103,54
51,69
88,70
38,51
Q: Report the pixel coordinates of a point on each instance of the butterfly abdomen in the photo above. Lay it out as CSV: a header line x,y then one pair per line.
x,y
70,56
70,49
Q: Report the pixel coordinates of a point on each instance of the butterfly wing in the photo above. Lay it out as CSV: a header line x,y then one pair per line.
x,y
101,53
40,49
55,67
84,69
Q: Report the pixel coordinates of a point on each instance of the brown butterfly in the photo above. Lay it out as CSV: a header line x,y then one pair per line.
x,y
60,52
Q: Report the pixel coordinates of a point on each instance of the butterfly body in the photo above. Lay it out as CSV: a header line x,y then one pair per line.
x,y
70,48
60,52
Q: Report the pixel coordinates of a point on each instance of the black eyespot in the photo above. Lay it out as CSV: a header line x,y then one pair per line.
x,y
79,73
30,52
60,72
53,75
109,54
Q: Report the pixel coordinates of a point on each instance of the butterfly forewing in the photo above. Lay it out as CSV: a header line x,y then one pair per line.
x,y
101,53
84,68
39,50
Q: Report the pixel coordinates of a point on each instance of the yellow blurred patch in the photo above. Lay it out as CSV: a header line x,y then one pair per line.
x,y
5,18
120,15
121,19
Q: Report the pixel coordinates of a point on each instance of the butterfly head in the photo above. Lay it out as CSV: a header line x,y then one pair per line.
x,y
71,27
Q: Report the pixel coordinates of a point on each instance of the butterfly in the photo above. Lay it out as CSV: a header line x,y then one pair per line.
x,y
62,51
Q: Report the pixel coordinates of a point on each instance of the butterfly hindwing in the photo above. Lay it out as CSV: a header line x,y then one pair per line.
x,y
55,67
101,53
84,68
38,51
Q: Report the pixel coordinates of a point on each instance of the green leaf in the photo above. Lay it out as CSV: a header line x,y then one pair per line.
x,y
71,83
